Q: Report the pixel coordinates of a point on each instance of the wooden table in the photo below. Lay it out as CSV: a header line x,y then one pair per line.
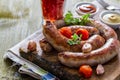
x,y
13,31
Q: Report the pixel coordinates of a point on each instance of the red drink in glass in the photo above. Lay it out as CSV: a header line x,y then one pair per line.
x,y
52,9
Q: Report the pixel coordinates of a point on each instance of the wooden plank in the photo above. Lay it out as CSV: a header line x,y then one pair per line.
x,y
51,63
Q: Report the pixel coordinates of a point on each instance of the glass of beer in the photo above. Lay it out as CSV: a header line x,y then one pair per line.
x,y
52,9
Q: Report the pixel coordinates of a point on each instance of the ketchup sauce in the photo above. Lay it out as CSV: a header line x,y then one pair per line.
x,y
87,8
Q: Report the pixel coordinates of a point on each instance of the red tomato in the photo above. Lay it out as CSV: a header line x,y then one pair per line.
x,y
66,32
84,32
86,71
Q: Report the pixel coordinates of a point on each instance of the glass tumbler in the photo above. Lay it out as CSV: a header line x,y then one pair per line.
x,y
52,9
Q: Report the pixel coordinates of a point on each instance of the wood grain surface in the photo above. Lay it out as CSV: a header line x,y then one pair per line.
x,y
50,62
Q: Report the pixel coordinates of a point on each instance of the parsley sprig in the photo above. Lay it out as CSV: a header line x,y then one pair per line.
x,y
75,39
70,20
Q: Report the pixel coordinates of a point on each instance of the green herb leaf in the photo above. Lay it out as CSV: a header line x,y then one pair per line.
x,y
78,42
70,20
84,19
75,40
75,21
70,42
75,37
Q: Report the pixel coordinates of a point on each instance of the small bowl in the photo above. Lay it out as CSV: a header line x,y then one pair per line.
x,y
113,25
77,8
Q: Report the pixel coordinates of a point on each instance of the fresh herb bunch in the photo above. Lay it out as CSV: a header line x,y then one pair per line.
x,y
75,39
70,20
84,19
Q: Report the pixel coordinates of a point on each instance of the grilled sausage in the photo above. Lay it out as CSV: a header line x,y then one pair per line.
x,y
59,42
73,57
95,41
106,31
45,46
98,56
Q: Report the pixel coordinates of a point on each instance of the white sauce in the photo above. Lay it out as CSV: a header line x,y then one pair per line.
x,y
112,18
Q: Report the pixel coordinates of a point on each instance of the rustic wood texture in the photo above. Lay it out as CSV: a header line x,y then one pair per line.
x,y
50,62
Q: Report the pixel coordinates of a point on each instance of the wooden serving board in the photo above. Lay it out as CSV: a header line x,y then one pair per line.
x,y
51,63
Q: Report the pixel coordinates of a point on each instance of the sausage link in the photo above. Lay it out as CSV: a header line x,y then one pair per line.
x,y
95,57
96,41
106,31
59,42
73,57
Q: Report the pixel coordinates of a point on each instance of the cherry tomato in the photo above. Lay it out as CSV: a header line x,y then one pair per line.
x,y
84,32
86,71
66,32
